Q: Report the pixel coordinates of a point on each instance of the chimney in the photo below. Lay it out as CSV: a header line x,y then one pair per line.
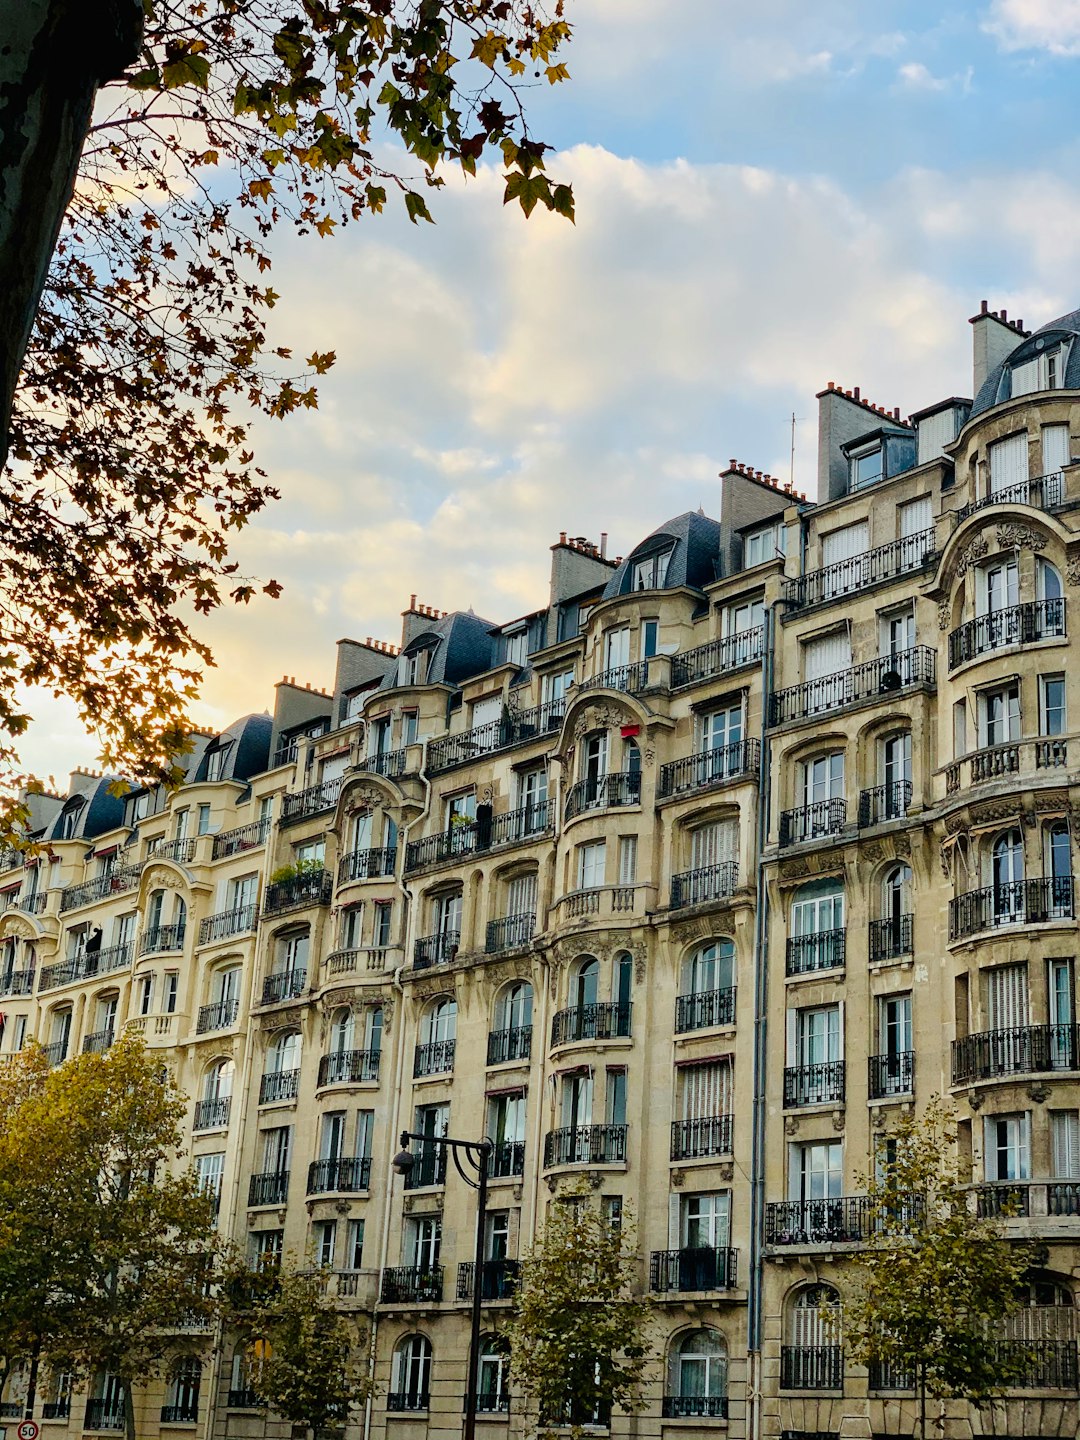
x,y
993,338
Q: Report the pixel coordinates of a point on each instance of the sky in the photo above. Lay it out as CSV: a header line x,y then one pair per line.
x,y
769,197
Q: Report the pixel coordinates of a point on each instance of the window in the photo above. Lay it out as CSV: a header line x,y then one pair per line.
x,y
1007,871
650,574
325,1243
915,518
705,1104
816,1051
708,996
383,913
577,1098
615,1096
332,1135
203,826
998,589
145,994
181,826
1007,997
513,1008
412,1374
898,635
1052,705
172,986
555,685
351,927
410,726
823,778
411,668
182,1391
311,852
354,1246
817,928
208,1172
485,716
704,1221
380,736
1007,1146
446,916
493,1393
266,1248
1065,1153
1009,468
506,1126
867,467
893,1072
532,798
1045,371
216,761
697,1375
138,807
1055,454
354,706
283,1053
999,715
516,648
817,1170
592,863
627,859
617,648
277,1147
439,1022
650,638
765,544
461,809
822,658
423,1241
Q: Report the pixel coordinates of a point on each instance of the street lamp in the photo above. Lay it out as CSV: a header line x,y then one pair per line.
x,y
477,1156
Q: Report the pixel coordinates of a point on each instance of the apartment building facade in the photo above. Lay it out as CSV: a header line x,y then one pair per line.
x,y
683,884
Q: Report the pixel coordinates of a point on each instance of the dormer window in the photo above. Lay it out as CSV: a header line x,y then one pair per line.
x,y
215,761
868,466
412,668
768,543
1045,371
650,573
516,649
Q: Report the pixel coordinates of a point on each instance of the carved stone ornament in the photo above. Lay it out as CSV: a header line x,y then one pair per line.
x,y
990,812
878,1117
1072,569
17,926
1051,800
838,1120
689,930
902,847
677,1178
791,1124
648,755
946,859
640,969
872,851
1020,537
365,797
485,794
970,555
1039,1093
727,1171
975,1099
160,879
793,869
956,824
944,615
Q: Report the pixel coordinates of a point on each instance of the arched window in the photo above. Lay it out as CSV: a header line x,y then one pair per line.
x,y
708,987
623,980
373,1029
218,1082
1050,588
342,1031
813,1358
284,1053
891,935
182,1393
513,1008
584,985
412,1374
816,941
493,1390
1007,877
440,1021
1046,1325
697,1376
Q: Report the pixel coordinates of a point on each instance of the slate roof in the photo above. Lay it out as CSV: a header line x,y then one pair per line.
x,y
461,645
996,387
694,541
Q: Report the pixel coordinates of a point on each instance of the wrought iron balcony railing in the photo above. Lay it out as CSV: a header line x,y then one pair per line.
x,y
310,887
891,1074
180,1414
407,1400
436,1058
412,1285
823,951
243,837
349,1067
1016,625
212,1114
55,1052
703,1010
269,1188
1043,1364
1018,902
694,1407
882,678
508,1158
1042,492
710,882
366,864
818,821
285,985
811,1367
29,904
436,949
884,802
84,964
511,729
884,1375
242,1400
603,792
628,678
237,921
718,656
428,1167
162,938
1019,1050
343,1173
217,1016
513,1043
709,768
528,822
891,938
509,933
18,982
604,1020
98,1041
117,882
310,801
839,1220
56,1409
180,851
391,764
498,1279
708,1135
278,1085
585,1145
105,1415
845,577
693,1268
459,838
814,1084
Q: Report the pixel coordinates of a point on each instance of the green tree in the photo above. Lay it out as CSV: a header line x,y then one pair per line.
x,y
934,1280
107,1252
132,465
580,1337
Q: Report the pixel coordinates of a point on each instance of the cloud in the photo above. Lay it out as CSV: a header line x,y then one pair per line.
x,y
916,76
1050,25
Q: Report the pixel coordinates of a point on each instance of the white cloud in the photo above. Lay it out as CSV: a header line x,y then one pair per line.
x,y
916,76
1051,25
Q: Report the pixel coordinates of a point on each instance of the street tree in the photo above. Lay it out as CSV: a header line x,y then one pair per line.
x,y
934,1280
132,465
107,1248
580,1337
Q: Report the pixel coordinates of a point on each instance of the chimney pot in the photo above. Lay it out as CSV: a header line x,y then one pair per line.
x,y
855,392
984,307
1004,313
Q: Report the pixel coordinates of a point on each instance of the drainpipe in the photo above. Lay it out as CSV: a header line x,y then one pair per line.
x,y
761,989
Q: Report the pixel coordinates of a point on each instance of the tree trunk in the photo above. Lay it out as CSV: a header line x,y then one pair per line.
x,y
54,54
32,1383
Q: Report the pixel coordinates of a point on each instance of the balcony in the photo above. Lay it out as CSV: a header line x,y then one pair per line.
x,y
1019,902
883,678
717,657
704,1010
279,1085
627,678
269,1188
1043,1364
162,938
349,1067
398,1401
412,1285
891,938
510,933
498,1279
181,852
518,827
709,768
1017,625
1021,1050
428,1167
117,882
1042,492
696,1139
694,1268
819,821
458,839
603,792
98,1042
840,1220
999,762
884,802
217,1016
244,837
604,1020
514,1043
699,887
363,957
814,1084
366,864
891,1074
507,1158
310,887
212,1114
599,901
887,1375
56,1409
105,1415
694,1407
436,949
180,1414
311,801
823,951
55,1052
435,1058
285,985
811,1367
242,1400
18,982
29,904
391,764
237,921
344,1174
846,577
511,729
585,1145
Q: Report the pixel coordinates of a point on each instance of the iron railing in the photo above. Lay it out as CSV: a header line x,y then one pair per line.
x,y
845,577
892,937
512,728
349,1067
160,938
823,951
693,1268
212,1114
218,1015
528,822
718,656
310,887
1019,1050
459,838
887,1375
243,837
1043,1364
269,1188
278,1085
345,1173
366,864
811,1367
813,822
627,678
105,1415
428,1167
55,1052
885,676
709,768
585,1145
694,1407
56,1409
710,882
513,1043
435,1058
814,1084
98,1041
603,1020
838,1220
507,1158
884,802
498,1279
412,1285
603,792
891,1074
85,964
407,1400
29,904
180,851
389,763
708,1135
1015,625
242,1400
285,985
705,1009
18,982
509,933
1017,902
1041,491
323,796
180,1414
115,883
227,922
431,950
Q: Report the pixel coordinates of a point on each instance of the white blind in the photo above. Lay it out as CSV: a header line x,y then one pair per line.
x,y
1055,448
521,895
334,768
1065,1136
816,1324
483,712
916,516
714,844
826,655
706,1090
1007,997
843,543
1008,462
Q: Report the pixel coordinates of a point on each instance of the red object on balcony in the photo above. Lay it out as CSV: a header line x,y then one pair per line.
x,y
629,731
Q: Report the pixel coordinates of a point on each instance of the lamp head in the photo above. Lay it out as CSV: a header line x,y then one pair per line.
x,y
403,1161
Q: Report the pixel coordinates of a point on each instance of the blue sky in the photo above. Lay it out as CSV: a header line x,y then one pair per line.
x,y
769,196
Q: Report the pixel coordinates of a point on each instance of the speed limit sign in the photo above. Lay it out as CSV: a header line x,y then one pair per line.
x,y
28,1430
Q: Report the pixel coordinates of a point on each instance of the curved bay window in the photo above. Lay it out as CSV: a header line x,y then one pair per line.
x,y
411,1374
708,987
697,1376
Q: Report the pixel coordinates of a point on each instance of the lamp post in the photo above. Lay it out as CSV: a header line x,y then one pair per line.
x,y
477,1156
